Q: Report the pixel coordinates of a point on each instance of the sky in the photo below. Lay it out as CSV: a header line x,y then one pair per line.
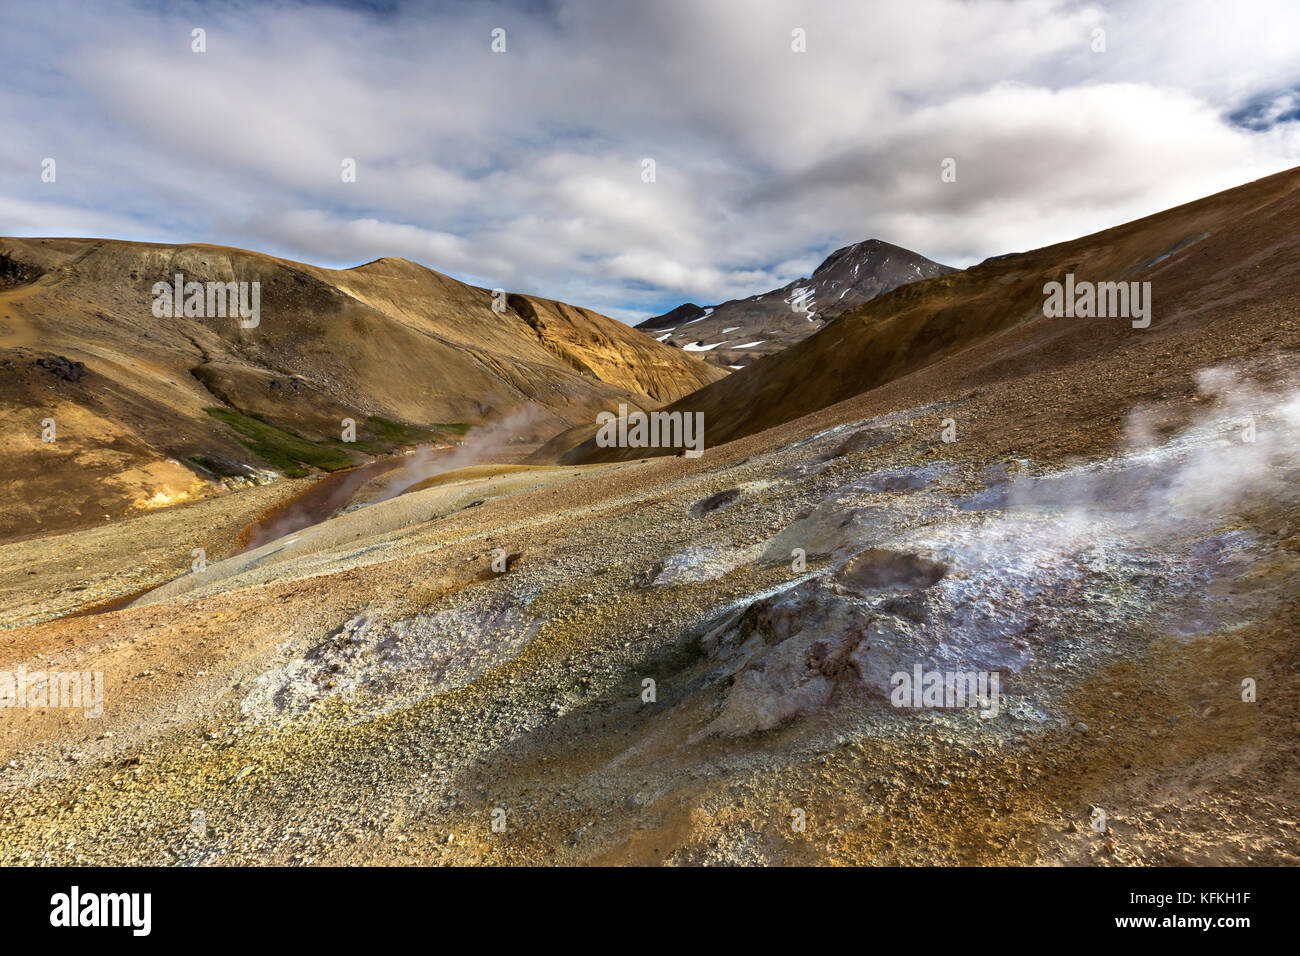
x,y
778,131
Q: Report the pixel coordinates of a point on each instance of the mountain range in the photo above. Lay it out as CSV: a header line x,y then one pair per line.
x,y
735,333
441,653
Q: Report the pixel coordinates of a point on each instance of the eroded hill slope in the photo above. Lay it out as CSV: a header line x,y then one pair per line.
x,y
148,409
1205,260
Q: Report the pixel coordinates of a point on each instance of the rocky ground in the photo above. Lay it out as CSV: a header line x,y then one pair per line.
x,y
459,674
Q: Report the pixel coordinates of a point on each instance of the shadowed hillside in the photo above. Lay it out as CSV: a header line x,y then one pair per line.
x,y
1203,260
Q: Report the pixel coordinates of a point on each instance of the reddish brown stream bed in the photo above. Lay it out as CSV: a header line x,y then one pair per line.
x,y
314,504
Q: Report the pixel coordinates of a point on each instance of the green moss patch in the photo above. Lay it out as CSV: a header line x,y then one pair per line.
x,y
280,448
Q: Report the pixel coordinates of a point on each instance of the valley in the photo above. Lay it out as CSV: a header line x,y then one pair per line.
x,y
635,657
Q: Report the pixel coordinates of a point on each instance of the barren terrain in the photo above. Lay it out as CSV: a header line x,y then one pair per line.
x,y
1106,517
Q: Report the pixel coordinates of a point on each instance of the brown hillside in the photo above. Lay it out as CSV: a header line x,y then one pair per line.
x,y
402,350
1205,259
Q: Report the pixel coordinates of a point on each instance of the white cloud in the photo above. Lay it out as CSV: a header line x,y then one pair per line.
x,y
524,169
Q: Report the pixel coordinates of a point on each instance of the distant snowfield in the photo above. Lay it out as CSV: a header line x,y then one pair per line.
x,y
732,329
707,313
664,336
747,345
694,347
